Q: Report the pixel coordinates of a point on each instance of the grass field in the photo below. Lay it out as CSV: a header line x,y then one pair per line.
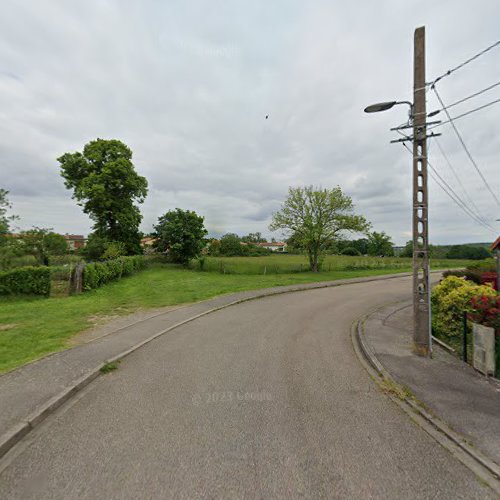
x,y
287,264
33,327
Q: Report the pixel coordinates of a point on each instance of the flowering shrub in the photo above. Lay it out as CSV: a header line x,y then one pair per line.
x,y
446,286
449,300
485,310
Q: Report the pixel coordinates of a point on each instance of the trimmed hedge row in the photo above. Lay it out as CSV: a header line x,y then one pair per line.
x,y
25,281
97,274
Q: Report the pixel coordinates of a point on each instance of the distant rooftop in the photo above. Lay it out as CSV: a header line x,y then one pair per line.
x,y
272,244
496,244
74,237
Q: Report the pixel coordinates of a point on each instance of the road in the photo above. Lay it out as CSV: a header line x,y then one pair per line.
x,y
265,399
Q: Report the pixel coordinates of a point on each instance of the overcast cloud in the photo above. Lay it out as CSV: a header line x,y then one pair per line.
x,y
187,85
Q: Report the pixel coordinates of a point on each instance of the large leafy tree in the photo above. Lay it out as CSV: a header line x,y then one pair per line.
x,y
230,245
181,233
316,217
380,244
106,185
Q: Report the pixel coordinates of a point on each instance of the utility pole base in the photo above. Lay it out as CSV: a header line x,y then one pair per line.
x,y
421,350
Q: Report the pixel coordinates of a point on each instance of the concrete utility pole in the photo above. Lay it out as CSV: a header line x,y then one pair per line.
x,y
421,289
418,121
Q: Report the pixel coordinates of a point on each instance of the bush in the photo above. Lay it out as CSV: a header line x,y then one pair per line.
x,y
114,249
253,250
230,246
450,299
97,274
351,251
485,266
468,274
25,281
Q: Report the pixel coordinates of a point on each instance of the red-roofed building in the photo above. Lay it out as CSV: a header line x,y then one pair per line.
x,y
274,246
75,241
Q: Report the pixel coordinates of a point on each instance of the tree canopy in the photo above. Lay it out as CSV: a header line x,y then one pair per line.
x,y
253,238
380,244
181,233
230,245
467,252
315,217
5,219
43,243
106,185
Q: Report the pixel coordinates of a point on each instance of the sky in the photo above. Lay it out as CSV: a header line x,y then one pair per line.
x,y
187,85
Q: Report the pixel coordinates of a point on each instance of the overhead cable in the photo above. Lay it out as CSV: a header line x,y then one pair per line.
x,y
460,101
467,61
469,155
452,194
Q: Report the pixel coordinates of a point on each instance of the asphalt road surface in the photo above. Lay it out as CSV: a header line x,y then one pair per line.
x,y
265,399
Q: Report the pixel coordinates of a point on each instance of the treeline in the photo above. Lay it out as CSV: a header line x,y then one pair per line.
x,y
375,244
470,252
232,245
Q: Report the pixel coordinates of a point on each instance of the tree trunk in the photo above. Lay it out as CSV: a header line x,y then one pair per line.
x,y
313,260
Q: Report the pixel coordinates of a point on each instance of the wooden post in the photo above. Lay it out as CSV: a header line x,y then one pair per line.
x,y
77,279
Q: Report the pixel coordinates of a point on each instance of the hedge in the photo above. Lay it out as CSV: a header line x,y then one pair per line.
x,y
25,281
97,274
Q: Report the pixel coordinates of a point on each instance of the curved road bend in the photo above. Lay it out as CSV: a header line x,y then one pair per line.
x,y
265,399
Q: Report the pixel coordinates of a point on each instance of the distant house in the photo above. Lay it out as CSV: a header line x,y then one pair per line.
x,y
148,242
274,246
75,241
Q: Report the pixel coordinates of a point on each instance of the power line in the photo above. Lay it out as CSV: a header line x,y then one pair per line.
x,y
467,98
452,194
459,201
467,61
478,170
463,114
445,156
433,174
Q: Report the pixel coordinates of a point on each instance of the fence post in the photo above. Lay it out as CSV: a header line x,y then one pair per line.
x,y
464,354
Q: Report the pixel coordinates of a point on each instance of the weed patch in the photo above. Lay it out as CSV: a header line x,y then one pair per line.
x,y
109,367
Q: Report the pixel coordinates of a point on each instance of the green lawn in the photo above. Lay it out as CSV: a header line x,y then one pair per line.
x,y
33,327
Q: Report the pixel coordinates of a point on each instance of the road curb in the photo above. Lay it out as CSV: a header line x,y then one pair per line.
x,y
483,466
21,429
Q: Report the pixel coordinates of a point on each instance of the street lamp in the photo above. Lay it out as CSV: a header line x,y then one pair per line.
x,y
384,106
